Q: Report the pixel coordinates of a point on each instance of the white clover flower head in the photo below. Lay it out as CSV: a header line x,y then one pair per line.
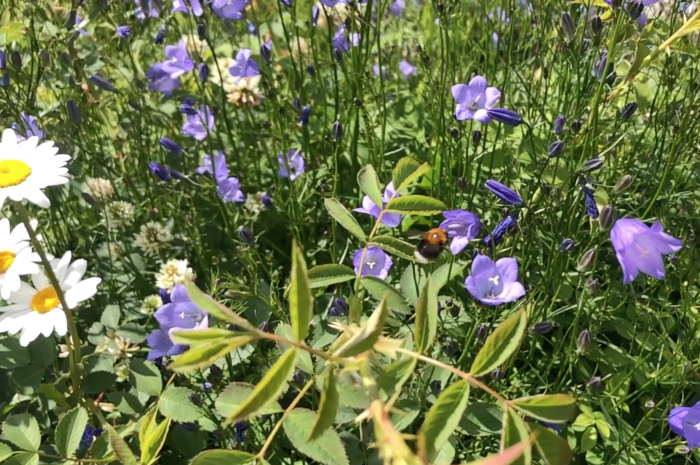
x,y
174,272
195,46
100,188
27,167
16,256
153,237
151,304
245,92
120,213
254,203
36,309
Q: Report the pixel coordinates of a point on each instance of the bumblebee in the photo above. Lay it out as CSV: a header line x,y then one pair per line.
x,y
431,245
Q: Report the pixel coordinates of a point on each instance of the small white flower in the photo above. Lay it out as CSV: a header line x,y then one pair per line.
x,y
120,213
37,310
26,168
151,304
16,256
99,188
153,237
254,203
174,272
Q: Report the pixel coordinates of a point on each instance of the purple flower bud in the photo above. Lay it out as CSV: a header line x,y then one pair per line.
x,y
311,71
3,60
266,52
5,80
160,35
541,328
201,31
555,149
124,32
315,11
435,386
337,131
304,117
170,145
176,174
595,383
203,70
16,60
497,374
476,138
298,377
559,123
623,183
188,109
252,30
566,245
568,27
635,9
591,165
586,261
462,184
164,296
602,65
504,193
296,103
500,230
591,207
240,427
247,236
576,126
195,398
206,386
481,332
102,83
449,348
454,311
505,116
74,112
267,201
583,341
264,326
339,307
596,24
628,111
607,217
159,170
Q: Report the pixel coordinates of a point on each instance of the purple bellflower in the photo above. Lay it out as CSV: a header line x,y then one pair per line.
x,y
340,43
229,9
150,6
474,99
501,229
504,192
30,125
244,66
181,6
124,32
292,164
218,170
376,262
159,80
494,283
639,247
407,69
331,3
198,124
591,207
397,8
163,172
389,219
685,421
462,226
178,61
181,314
78,20
230,190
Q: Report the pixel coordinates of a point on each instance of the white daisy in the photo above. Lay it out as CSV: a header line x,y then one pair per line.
x,y
16,256
26,168
37,310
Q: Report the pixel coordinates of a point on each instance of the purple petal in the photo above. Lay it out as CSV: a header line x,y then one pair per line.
x,y
483,264
492,97
458,244
512,292
675,419
479,84
482,116
460,93
508,269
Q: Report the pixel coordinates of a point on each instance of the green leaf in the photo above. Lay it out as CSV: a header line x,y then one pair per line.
x,y
52,393
205,356
12,354
70,430
126,402
553,449
369,184
145,377
500,344
328,407
154,442
304,362
98,381
553,408
300,300
5,452
201,336
326,275
341,214
23,431
223,457
214,308
25,379
231,398
148,423
445,456
506,457
395,247
415,205
269,387
445,273
110,317
395,375
407,170
120,447
514,432
381,290
24,458
175,403
443,417
603,428
43,351
426,317
588,439
326,448
365,338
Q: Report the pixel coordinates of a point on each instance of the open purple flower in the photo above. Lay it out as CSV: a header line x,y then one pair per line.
x,y
244,66
150,6
195,125
685,421
230,190
292,164
474,99
340,43
30,125
641,248
397,7
407,69
178,61
229,9
181,6
219,169
389,219
181,314
462,226
159,80
78,20
494,283
376,262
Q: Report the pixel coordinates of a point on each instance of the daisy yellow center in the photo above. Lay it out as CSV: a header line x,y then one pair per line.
x,y
45,300
13,172
6,260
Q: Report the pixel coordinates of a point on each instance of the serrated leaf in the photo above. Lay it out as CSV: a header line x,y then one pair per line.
x,y
328,407
514,432
23,458
304,361
365,338
120,447
395,247
553,449
268,388
13,354
500,344
300,300
554,408
381,290
223,457
145,377
326,448
369,184
214,308
395,375
154,442
408,170
327,275
230,399
5,452
201,336
70,431
415,205
426,317
205,356
148,422
175,403
341,214
52,393
443,417
23,431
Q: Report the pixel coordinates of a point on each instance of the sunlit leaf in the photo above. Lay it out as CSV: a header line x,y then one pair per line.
x,y
70,430
553,408
369,184
408,170
500,345
327,275
415,205
341,214
395,246
327,448
381,290
443,417
365,338
300,299
204,356
328,406
514,432
426,317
